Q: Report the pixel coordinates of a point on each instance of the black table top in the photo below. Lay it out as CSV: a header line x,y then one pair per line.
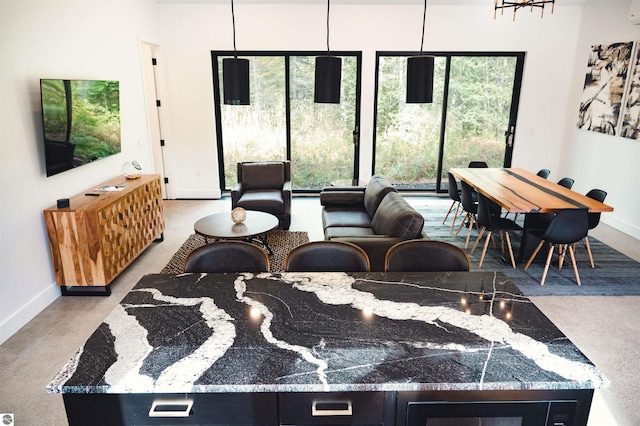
x,y
310,332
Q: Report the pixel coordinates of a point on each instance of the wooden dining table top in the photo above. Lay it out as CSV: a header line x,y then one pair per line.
x,y
520,191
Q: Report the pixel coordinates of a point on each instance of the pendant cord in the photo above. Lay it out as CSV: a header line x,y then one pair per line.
x,y
233,21
424,20
328,50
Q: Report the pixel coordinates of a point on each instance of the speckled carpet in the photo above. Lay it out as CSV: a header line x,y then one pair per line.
x,y
280,242
614,274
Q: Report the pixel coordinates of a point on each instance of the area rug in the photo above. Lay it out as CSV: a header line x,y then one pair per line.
x,y
280,242
614,275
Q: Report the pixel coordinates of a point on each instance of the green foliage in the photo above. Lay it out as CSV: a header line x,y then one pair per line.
x,y
407,135
96,121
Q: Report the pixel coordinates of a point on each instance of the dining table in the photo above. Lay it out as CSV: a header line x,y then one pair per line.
x,y
517,190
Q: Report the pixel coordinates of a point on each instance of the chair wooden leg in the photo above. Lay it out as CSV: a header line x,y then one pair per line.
x,y
533,255
472,220
586,243
501,243
455,217
480,234
484,249
513,261
562,250
546,264
466,217
447,215
575,265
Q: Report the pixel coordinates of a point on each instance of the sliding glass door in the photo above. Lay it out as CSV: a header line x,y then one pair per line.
x,y
472,117
283,122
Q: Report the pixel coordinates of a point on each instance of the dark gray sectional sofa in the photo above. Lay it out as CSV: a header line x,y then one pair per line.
x,y
374,217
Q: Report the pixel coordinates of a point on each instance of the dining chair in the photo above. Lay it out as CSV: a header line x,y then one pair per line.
x,y
490,221
227,256
470,206
426,256
543,173
327,256
566,182
566,228
477,165
594,219
454,194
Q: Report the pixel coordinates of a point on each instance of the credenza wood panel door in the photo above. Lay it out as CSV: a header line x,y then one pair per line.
x,y
102,232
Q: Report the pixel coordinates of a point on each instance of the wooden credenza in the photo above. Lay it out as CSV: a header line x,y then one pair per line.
x,y
101,232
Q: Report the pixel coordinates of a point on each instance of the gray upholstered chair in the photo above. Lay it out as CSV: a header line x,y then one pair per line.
x,y
264,186
327,256
426,256
227,256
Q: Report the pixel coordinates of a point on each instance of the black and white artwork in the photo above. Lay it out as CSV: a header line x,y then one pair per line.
x,y
631,114
602,97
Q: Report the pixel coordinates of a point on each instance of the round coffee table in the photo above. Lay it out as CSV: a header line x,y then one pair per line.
x,y
255,227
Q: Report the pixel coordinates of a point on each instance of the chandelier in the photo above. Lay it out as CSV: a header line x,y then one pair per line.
x,y
521,4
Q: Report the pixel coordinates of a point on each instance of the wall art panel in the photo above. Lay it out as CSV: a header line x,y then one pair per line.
x,y
601,102
631,114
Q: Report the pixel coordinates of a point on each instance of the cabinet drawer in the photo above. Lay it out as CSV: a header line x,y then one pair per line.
x,y
172,409
331,408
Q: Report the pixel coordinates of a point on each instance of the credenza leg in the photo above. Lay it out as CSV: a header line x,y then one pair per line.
x,y
85,290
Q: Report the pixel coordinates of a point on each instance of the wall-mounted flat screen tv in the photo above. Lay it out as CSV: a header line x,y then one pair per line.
x,y
81,120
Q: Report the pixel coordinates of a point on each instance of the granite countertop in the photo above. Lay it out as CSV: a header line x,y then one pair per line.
x,y
311,332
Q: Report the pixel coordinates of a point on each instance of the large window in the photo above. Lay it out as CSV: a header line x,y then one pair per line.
x,y
472,117
283,122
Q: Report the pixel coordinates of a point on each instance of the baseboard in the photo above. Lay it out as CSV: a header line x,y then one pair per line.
x,y
25,314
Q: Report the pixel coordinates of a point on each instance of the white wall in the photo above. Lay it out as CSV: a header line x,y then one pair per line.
x,y
593,159
56,39
193,30
101,39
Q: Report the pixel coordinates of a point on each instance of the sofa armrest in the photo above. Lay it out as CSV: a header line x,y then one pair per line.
x,y
343,188
236,193
346,197
286,196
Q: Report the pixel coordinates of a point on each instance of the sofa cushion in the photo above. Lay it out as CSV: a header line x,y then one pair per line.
x,y
376,190
344,216
266,200
396,218
262,175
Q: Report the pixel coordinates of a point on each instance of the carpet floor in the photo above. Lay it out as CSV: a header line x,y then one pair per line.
x,y
614,274
280,242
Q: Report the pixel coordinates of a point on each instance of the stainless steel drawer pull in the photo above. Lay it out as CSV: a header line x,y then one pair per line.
x,y
171,408
331,408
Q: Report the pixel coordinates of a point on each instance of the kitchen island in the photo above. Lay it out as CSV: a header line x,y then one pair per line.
x,y
326,348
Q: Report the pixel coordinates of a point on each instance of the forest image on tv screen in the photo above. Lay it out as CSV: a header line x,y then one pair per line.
x,y
81,120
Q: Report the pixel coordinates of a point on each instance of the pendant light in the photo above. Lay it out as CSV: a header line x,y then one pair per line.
x,y
420,73
327,75
235,74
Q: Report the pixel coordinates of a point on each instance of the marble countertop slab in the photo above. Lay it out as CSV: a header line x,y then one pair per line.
x,y
311,332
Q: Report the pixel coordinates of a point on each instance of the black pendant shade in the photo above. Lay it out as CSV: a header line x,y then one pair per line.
x,y
327,80
420,79
235,78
